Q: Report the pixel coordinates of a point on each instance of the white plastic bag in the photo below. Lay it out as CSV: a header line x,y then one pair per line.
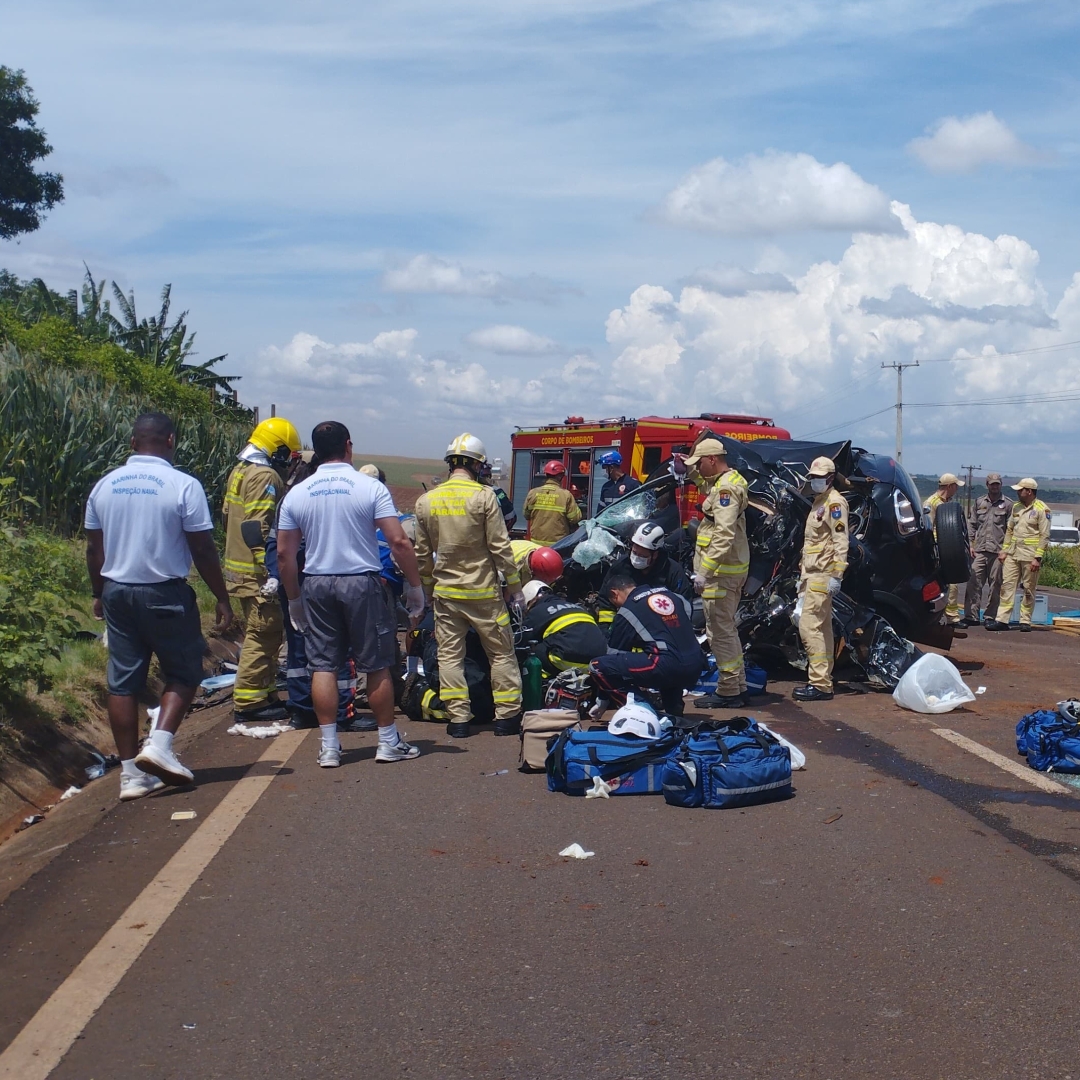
x,y
932,685
796,613
798,758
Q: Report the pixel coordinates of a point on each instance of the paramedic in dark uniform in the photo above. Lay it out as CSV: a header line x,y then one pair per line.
x,y
618,483
648,563
652,646
566,636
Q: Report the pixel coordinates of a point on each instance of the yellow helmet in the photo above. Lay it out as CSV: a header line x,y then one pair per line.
x,y
274,434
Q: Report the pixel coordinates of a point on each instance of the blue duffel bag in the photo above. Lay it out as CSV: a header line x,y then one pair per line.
x,y
727,764
1049,741
629,765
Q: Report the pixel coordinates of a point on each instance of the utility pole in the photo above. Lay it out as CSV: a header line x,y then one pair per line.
x,y
899,369
969,469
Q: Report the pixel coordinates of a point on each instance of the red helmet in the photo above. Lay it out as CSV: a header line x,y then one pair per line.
x,y
554,468
546,564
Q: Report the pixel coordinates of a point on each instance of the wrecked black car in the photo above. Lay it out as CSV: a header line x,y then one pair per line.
x,y
894,590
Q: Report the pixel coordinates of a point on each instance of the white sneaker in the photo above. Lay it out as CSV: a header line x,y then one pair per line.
x,y
164,764
400,751
137,787
330,757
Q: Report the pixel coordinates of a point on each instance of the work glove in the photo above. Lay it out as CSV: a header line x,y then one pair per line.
x,y
698,581
415,603
517,605
269,589
297,616
833,586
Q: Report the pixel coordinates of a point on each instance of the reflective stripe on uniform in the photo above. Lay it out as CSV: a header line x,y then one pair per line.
x,y
454,693
427,710
504,696
503,618
605,615
559,664
711,566
563,621
452,592
296,673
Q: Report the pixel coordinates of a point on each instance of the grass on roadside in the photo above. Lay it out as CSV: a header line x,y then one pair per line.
x,y
1061,568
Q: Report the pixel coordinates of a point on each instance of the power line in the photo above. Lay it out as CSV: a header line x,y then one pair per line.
x,y
846,423
996,355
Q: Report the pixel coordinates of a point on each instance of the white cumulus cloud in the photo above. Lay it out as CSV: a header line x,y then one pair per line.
x,y
431,274
309,359
775,193
510,341
961,144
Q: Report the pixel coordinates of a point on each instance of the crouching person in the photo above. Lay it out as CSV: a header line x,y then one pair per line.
x,y
566,635
652,646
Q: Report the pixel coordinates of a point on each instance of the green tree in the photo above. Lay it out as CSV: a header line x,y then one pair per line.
x,y
24,193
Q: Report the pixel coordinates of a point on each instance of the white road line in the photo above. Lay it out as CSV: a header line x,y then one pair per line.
x,y
40,1046
1023,772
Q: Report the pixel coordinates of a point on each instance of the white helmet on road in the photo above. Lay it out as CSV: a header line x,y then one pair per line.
x,y
466,446
636,718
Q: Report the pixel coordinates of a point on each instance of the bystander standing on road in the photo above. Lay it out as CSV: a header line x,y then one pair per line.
x,y
146,522
1022,552
987,523
341,604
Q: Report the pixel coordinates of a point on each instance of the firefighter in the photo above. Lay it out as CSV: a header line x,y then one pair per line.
x,y
256,486
948,485
566,636
709,458
535,561
821,569
505,505
652,646
618,483
722,569
1026,537
647,564
550,509
460,522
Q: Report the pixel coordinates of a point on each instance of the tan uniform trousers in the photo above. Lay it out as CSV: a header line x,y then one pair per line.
x,y
816,631
491,621
723,637
256,673
985,570
1017,573
952,604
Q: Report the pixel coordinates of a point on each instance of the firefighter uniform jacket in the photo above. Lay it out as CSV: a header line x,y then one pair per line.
x,y
1028,531
825,537
656,620
988,522
461,522
725,559
663,571
616,489
551,512
252,494
568,635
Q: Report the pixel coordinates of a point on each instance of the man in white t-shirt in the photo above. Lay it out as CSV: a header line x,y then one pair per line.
x,y
341,606
146,522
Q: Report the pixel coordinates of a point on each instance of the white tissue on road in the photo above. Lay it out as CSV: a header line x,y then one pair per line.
x,y
981,690
71,793
262,731
600,789
576,851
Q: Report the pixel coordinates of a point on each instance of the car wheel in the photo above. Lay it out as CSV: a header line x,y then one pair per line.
x,y
954,558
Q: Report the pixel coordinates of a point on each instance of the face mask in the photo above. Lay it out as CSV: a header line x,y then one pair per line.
x,y
639,562
819,484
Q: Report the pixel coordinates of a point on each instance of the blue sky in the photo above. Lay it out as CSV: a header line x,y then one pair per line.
x,y
422,217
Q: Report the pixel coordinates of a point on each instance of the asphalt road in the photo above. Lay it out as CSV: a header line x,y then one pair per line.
x,y
414,920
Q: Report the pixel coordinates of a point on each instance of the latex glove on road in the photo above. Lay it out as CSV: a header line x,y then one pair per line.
x,y
517,604
833,587
269,589
698,581
297,616
415,604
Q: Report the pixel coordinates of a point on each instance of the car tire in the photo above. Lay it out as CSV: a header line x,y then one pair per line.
x,y
954,555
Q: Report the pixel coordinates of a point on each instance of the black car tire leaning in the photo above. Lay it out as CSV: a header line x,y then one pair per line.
x,y
954,556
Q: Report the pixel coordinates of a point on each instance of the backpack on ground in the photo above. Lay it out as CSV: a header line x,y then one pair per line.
x,y
539,728
720,765
1049,741
627,764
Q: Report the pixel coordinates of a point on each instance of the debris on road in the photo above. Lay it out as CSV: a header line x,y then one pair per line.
x,y
576,851
71,793
183,815
599,790
932,685
218,682
832,818
798,758
497,772
260,731
33,819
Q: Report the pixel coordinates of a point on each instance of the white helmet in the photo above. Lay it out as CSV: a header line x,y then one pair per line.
x,y
649,535
466,446
636,718
532,589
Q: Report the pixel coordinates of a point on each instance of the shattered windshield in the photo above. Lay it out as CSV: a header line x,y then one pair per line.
x,y
625,515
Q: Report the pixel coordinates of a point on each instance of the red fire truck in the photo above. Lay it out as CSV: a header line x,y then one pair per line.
x,y
643,443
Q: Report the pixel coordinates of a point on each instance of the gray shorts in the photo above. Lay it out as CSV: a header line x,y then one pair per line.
x,y
348,613
160,619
